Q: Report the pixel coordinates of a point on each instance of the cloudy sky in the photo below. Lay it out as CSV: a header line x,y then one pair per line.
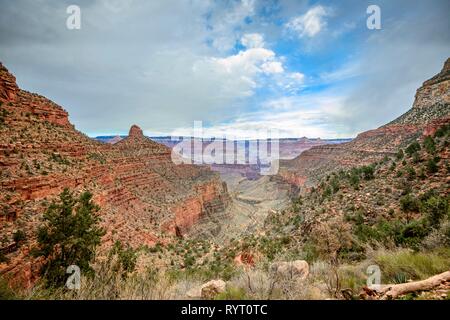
x,y
304,68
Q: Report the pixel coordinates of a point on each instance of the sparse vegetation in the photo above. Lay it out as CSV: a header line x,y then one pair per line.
x,y
19,236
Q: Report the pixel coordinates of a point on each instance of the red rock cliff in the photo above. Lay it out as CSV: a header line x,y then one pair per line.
x,y
139,189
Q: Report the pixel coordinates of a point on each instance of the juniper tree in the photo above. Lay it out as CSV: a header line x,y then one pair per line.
x,y
68,236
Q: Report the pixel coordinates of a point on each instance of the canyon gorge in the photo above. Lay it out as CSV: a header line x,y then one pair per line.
x,y
147,200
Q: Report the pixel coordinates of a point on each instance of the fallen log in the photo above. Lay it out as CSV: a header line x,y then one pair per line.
x,y
392,291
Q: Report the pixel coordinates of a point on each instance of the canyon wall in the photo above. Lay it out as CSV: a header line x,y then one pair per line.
x,y
144,197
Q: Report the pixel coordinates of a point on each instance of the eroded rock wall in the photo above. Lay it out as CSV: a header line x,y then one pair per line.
x,y
138,187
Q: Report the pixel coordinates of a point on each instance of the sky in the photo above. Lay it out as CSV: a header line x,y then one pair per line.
x,y
297,68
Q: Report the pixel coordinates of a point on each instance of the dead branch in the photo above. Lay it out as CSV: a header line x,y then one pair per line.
x,y
392,291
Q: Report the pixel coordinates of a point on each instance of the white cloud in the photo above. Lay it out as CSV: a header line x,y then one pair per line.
x,y
252,40
310,23
297,76
236,76
309,115
248,61
344,72
272,67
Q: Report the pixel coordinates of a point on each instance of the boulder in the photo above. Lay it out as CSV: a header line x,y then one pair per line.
x,y
298,269
212,288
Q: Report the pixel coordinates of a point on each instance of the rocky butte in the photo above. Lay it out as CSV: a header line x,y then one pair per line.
x,y
431,110
144,197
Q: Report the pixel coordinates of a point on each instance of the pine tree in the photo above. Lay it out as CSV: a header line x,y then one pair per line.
x,y
69,236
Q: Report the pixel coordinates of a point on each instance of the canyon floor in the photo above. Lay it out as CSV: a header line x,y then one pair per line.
x,y
251,202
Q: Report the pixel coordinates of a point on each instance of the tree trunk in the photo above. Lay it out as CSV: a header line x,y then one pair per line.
x,y
392,291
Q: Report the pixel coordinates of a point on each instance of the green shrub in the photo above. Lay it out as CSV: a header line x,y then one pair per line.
x,y
327,192
368,172
127,257
354,180
412,233
436,209
56,157
432,166
416,157
3,258
412,148
409,203
442,131
19,236
429,145
380,232
421,174
68,236
97,157
392,167
334,183
411,173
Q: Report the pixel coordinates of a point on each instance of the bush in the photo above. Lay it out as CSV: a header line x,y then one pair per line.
x,y
411,173
127,258
3,258
97,157
412,233
421,174
68,236
436,209
56,157
334,183
400,154
409,204
327,192
331,238
368,172
432,166
354,180
412,148
19,236
429,145
442,131
416,157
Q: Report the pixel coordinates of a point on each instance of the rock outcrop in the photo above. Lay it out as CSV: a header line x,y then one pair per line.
x,y
298,269
8,86
212,288
144,197
431,110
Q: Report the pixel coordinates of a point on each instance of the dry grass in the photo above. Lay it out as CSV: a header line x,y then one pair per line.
x,y
404,264
254,283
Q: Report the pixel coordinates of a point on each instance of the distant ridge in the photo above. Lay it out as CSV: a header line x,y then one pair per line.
x,y
431,110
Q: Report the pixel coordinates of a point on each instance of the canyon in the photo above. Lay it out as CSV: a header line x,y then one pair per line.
x,y
144,198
